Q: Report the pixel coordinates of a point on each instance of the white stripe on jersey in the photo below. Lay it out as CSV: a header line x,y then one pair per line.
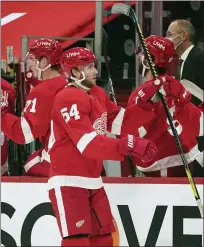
x,y
26,131
117,123
85,140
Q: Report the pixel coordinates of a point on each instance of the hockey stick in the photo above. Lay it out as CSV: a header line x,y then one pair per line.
x,y
120,8
105,54
112,91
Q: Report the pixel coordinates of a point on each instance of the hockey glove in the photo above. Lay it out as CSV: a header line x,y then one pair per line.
x,y
31,81
176,90
4,102
139,147
145,95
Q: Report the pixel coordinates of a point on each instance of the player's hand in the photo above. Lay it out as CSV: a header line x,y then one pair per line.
x,y
139,147
147,93
176,90
151,88
31,81
4,102
29,75
8,97
32,78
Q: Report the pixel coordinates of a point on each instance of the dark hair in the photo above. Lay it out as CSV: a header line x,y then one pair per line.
x,y
186,26
55,67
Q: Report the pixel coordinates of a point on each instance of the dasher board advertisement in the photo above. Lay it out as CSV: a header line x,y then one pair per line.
x,y
147,212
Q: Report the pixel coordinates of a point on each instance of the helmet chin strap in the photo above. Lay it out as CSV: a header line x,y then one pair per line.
x,y
41,70
144,68
78,82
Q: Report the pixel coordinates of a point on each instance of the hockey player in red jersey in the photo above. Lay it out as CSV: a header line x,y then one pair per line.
x,y
8,97
43,58
82,113
187,118
38,164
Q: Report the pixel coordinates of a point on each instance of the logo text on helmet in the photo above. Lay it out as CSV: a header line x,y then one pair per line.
x,y
73,54
159,45
39,43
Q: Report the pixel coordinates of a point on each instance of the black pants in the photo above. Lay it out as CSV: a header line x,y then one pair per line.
x,y
198,170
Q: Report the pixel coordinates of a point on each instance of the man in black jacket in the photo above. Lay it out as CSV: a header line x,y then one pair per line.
x,y
191,63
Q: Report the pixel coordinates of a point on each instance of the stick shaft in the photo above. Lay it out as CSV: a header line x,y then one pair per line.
x,y
105,51
112,91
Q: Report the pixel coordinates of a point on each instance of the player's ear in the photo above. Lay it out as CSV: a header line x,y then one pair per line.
x,y
76,73
43,62
185,36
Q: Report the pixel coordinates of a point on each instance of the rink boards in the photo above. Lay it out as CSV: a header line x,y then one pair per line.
x,y
148,212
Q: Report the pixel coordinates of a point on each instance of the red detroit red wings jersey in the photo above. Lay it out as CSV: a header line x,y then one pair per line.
x,y
188,120
37,113
8,97
78,144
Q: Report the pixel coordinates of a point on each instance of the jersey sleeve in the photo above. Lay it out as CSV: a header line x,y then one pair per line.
x,y
127,121
115,115
73,114
35,121
135,118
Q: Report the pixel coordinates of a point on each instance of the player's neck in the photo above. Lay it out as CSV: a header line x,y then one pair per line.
x,y
49,74
180,50
75,85
148,76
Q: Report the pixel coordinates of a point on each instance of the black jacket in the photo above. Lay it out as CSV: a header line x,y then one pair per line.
x,y
193,70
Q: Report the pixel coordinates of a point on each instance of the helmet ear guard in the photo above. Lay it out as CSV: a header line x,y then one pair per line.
x,y
144,67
